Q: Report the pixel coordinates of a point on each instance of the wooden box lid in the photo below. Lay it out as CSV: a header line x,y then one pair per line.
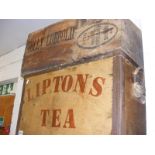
x,y
72,41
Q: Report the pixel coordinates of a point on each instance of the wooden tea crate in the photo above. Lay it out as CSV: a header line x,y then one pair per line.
x,y
84,77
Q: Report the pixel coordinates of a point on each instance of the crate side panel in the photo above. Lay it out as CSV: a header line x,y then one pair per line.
x,y
74,100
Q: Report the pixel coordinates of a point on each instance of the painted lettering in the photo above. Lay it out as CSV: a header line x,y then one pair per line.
x,y
51,39
97,86
56,118
29,97
81,81
38,89
69,120
44,118
46,84
57,82
67,83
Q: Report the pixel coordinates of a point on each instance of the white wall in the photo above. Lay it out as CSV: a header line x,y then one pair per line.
x,y
10,70
10,64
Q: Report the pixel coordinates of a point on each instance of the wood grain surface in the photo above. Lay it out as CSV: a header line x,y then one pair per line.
x,y
74,100
135,110
71,41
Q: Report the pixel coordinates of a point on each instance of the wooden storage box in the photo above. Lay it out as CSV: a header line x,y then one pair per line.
x,y
84,77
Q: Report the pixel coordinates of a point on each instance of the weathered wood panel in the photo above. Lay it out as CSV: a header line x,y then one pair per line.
x,y
71,41
74,100
118,95
134,104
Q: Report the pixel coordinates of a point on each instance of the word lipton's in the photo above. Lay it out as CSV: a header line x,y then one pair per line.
x,y
79,83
